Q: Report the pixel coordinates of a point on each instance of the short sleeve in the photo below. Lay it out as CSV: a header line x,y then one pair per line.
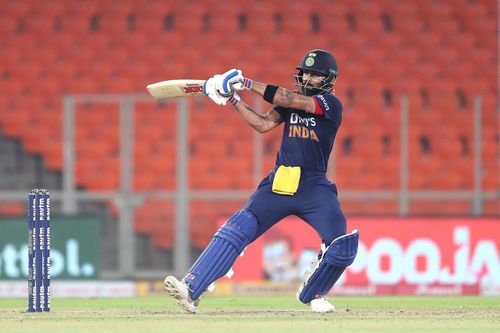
x,y
331,107
282,111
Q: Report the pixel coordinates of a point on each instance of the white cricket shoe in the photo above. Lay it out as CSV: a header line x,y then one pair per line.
x,y
321,305
180,291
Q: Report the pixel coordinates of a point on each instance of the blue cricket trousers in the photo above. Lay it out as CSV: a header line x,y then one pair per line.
x,y
315,202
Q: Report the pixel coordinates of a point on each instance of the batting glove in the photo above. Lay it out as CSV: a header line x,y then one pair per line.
x,y
230,81
209,89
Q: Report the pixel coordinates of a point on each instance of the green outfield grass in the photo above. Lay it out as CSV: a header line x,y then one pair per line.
x,y
257,314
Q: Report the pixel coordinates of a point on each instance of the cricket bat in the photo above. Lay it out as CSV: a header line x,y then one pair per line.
x,y
175,88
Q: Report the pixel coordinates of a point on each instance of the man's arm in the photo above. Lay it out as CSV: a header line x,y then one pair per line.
x,y
287,98
233,80
260,122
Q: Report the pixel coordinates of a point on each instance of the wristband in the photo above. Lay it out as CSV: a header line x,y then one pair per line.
x,y
269,93
247,83
233,100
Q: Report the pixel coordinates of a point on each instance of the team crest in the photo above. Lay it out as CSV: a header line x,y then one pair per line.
x,y
309,62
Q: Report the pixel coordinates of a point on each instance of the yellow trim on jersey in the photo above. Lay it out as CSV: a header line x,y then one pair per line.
x,y
286,180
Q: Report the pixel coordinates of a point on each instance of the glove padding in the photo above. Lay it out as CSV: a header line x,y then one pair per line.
x,y
230,81
209,89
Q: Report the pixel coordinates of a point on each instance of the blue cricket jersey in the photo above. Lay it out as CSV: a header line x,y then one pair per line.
x,y
307,139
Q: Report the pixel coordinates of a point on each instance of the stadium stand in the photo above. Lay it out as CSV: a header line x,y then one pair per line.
x,y
439,53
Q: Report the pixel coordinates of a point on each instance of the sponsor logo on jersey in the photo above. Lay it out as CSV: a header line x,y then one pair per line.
x,y
296,119
296,131
299,127
325,103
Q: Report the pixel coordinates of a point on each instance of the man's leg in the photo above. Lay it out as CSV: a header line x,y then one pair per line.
x,y
215,261
222,252
263,209
328,269
321,210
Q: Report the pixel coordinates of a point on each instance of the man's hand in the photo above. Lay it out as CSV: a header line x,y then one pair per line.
x,y
210,89
230,81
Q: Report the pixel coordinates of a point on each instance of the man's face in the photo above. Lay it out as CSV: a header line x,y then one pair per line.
x,y
313,79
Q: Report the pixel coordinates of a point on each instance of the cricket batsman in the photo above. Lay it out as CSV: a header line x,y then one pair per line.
x,y
297,185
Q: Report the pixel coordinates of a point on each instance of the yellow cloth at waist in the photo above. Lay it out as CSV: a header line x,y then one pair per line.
x,y
286,180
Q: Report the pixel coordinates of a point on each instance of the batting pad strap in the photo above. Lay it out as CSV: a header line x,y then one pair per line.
x,y
340,254
343,250
239,230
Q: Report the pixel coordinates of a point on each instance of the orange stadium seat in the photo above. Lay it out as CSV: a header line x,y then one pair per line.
x,y
45,87
9,25
203,222
113,24
163,234
42,26
261,24
188,23
82,9
51,9
16,120
150,25
491,175
16,9
371,25
143,216
77,25
491,208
